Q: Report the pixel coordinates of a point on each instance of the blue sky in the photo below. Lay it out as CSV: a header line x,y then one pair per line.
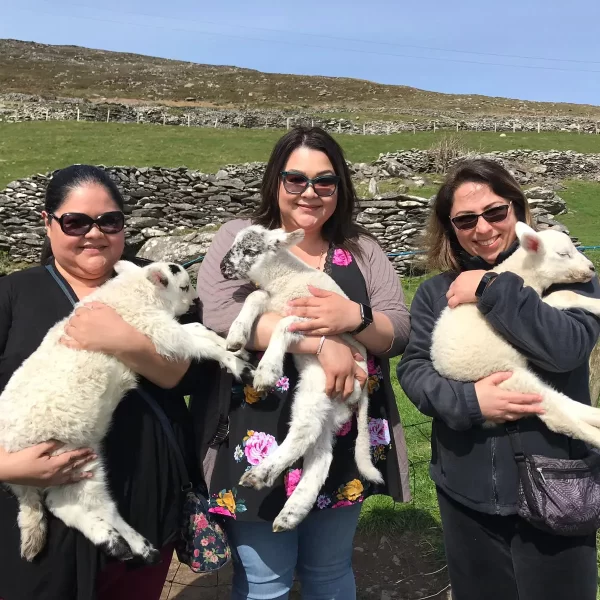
x,y
528,49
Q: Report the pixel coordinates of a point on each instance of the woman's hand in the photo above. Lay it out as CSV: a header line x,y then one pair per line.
x,y
499,405
329,313
338,360
99,328
37,467
462,289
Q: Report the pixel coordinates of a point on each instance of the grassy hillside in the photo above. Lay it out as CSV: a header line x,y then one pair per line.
x,y
73,71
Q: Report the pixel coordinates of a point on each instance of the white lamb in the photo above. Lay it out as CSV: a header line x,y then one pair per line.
x,y
262,256
70,396
466,348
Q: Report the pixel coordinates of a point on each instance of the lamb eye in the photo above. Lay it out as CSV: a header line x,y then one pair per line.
x,y
564,254
185,288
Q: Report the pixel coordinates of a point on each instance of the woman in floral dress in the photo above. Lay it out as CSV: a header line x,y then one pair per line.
x,y
307,185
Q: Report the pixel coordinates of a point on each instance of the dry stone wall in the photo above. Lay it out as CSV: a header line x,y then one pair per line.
x,y
32,108
173,213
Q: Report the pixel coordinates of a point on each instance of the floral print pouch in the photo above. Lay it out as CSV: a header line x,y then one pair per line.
x,y
203,544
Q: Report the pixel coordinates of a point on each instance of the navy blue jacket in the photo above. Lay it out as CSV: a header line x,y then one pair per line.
x,y
473,464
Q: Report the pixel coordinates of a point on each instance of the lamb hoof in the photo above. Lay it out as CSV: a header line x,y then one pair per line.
x,y
234,346
247,375
252,480
243,354
118,548
284,522
153,557
265,379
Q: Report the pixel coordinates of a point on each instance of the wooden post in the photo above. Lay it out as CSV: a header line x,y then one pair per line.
x,y
78,113
47,116
538,126
188,120
108,115
287,123
364,129
216,122
339,128
414,130
457,126
388,129
164,119
514,127
495,127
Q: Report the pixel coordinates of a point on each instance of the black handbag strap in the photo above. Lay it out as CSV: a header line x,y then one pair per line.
x,y
515,441
152,403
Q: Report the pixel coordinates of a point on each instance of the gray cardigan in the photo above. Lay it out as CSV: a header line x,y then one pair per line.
x,y
221,301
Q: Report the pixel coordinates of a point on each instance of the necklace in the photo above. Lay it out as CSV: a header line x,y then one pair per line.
x,y
321,256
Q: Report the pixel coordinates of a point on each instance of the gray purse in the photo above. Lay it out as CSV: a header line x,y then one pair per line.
x,y
560,496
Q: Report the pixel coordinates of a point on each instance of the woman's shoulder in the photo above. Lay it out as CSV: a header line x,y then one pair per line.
x,y
24,277
234,226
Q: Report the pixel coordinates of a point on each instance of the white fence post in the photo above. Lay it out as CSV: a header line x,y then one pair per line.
x,y
164,119
457,126
108,115
495,127
216,120
538,126
188,120
78,114
312,123
364,129
287,123
388,130
414,130
514,127
47,116
339,128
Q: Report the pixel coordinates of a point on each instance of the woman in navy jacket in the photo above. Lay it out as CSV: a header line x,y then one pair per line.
x,y
492,553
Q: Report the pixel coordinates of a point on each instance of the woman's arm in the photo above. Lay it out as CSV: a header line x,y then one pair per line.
x,y
554,340
332,314
99,328
453,402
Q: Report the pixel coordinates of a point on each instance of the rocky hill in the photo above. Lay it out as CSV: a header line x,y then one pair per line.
x,y
98,75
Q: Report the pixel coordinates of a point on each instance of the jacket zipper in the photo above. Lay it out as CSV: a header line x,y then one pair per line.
x,y
494,481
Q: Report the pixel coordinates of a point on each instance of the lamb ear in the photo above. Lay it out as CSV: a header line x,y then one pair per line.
x,y
157,276
278,238
528,238
124,266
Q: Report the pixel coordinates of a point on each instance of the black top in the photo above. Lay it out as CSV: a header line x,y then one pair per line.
x,y
475,465
259,423
142,470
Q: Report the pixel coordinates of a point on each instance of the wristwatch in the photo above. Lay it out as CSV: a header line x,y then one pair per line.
x,y
366,316
485,281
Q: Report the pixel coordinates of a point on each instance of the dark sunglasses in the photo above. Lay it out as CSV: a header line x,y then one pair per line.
x,y
491,215
296,183
81,224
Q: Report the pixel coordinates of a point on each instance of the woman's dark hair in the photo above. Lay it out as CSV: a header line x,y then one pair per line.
x,y
340,228
440,239
64,181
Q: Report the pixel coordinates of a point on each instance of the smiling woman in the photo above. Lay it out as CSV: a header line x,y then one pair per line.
x,y
83,216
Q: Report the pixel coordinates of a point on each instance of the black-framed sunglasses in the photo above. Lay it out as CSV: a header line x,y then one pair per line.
x,y
80,223
296,183
495,214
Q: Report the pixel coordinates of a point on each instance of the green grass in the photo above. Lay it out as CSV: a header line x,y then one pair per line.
x,y
39,147
583,217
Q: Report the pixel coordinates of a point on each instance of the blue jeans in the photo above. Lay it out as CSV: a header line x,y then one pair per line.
x,y
320,549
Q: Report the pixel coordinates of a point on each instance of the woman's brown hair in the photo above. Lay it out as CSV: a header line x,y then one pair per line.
x,y
341,228
440,239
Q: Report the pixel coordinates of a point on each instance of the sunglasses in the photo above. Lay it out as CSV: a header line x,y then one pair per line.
x,y
81,224
296,183
491,215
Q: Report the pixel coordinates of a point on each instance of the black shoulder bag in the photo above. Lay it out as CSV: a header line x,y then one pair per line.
x,y
560,496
